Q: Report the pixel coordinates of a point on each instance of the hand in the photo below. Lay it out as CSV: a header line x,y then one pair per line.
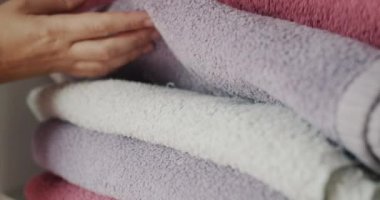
x,y
34,42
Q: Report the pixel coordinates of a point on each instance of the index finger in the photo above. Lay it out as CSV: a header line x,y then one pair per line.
x,y
49,6
99,25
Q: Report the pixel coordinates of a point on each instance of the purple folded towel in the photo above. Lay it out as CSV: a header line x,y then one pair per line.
x,y
331,81
126,168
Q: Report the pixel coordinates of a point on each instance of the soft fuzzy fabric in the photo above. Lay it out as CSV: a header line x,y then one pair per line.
x,y
126,168
251,56
355,18
374,129
268,142
221,50
50,187
355,111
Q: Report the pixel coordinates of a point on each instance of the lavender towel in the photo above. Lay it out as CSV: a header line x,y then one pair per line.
x,y
329,80
266,141
126,168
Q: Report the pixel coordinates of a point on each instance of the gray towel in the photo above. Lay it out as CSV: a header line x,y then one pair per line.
x,y
126,168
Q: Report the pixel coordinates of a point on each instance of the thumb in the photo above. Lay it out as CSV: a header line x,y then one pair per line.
x,y
51,6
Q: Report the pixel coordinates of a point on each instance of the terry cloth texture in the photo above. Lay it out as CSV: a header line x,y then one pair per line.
x,y
268,142
50,187
215,48
126,168
355,18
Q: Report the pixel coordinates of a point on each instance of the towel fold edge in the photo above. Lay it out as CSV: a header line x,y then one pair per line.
x,y
353,115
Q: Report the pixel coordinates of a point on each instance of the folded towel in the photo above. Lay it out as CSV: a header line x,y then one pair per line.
x,y
268,142
50,187
331,81
138,170
355,18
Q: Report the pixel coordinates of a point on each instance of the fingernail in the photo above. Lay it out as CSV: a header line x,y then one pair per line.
x,y
149,23
156,35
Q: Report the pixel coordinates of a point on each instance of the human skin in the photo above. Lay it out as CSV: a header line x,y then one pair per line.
x,y
39,37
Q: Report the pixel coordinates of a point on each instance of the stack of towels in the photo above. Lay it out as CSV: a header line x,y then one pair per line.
x,y
242,100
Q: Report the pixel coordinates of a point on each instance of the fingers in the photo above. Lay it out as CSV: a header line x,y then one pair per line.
x,y
104,49
12,6
51,6
102,56
92,69
98,25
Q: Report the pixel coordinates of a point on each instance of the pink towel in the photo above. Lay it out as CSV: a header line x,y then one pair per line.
x,y
50,187
358,19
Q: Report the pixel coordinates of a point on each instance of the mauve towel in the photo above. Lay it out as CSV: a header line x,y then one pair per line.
x,y
359,19
268,142
331,81
126,168
50,187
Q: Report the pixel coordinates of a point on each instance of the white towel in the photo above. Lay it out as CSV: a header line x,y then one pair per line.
x,y
268,142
